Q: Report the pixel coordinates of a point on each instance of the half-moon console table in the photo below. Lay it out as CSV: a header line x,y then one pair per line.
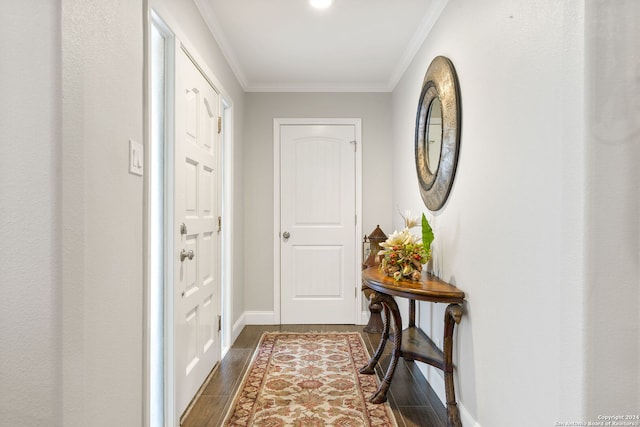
x,y
413,343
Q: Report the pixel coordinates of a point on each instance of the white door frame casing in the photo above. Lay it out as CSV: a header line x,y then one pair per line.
x,y
157,384
175,39
277,123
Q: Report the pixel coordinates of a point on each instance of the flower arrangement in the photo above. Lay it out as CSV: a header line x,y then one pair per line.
x,y
404,254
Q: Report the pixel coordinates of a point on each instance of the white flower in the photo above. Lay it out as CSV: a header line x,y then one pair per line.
x,y
400,238
410,221
410,239
396,239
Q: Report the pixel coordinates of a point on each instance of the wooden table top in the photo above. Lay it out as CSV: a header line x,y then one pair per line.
x,y
429,288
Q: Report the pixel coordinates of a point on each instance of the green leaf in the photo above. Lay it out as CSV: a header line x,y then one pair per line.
x,y
427,233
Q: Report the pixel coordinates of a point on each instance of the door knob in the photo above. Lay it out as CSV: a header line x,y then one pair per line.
x,y
184,254
286,235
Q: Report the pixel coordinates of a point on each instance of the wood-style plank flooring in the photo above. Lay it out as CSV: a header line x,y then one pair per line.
x,y
413,401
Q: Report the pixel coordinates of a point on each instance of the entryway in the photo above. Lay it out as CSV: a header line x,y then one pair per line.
x,y
188,276
317,226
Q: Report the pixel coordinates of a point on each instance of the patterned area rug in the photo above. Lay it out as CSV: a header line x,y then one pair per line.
x,y
308,380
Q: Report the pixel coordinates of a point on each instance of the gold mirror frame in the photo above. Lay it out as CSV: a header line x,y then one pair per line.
x,y
440,82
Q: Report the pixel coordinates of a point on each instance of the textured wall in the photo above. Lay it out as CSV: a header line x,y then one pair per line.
x,y
510,235
103,239
30,112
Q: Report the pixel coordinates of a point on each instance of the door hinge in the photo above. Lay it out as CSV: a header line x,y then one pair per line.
x,y
356,223
219,224
355,145
219,323
219,124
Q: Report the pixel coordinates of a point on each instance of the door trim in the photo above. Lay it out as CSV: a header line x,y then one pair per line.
x,y
176,39
277,122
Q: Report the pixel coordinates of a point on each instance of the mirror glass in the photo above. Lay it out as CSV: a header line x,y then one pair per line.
x,y
433,137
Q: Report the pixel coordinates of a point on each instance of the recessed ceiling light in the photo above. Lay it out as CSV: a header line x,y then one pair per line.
x,y
321,4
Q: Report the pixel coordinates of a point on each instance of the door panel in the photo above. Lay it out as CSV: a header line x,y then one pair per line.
x,y
318,211
196,306
318,272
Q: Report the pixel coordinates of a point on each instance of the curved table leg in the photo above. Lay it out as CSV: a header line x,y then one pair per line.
x,y
388,302
370,367
452,315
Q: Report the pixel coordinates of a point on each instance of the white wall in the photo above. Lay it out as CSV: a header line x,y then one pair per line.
x,y
510,235
102,213
262,108
30,111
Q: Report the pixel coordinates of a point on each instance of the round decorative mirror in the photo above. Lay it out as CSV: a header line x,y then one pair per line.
x,y
437,136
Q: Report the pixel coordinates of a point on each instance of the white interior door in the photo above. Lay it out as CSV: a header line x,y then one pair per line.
x,y
318,223
196,294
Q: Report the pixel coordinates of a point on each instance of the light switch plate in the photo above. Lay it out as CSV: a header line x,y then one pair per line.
x,y
136,158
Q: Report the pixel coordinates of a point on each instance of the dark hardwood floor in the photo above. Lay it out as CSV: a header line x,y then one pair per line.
x,y
413,401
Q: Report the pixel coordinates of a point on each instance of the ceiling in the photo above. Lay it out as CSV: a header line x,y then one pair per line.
x,y
286,45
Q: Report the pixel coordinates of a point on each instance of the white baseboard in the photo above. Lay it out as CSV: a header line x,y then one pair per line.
x,y
436,381
237,328
259,318
268,318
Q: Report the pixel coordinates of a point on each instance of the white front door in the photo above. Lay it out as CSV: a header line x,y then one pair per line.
x,y
318,223
196,306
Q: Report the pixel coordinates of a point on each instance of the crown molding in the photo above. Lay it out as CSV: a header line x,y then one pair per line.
x,y
317,87
418,39
217,33
425,27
